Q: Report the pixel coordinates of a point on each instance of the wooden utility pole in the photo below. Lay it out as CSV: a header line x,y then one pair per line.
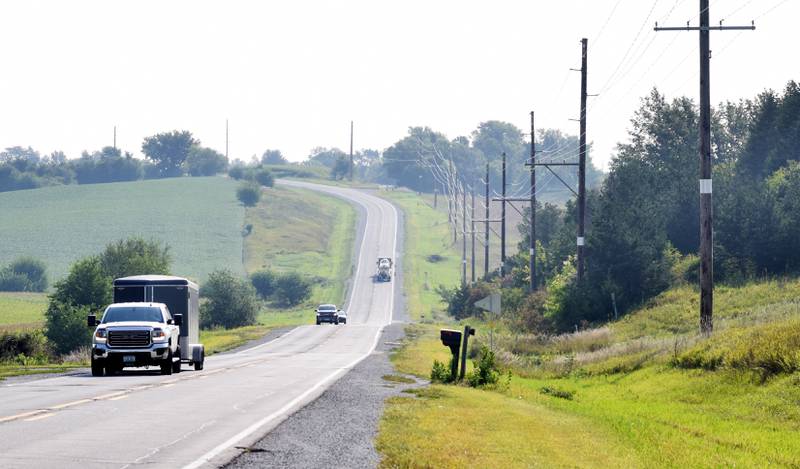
x,y
226,139
503,221
581,241
464,237
706,209
435,197
115,137
472,232
352,167
486,225
532,247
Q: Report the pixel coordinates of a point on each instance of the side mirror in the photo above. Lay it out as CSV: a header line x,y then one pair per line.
x,y
91,320
178,319
169,321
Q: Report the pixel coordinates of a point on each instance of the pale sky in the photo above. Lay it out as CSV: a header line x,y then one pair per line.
x,y
291,75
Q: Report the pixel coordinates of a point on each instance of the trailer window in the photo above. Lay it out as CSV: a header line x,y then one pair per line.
x,y
133,313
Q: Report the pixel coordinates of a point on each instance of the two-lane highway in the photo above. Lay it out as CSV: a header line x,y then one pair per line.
x,y
193,418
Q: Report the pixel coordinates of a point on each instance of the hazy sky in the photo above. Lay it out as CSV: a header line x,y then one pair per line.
x,y
291,75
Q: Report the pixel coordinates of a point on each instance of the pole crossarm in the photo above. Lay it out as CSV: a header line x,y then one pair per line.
x,y
751,27
553,164
512,199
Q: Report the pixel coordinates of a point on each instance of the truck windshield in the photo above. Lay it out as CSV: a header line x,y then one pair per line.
x,y
133,313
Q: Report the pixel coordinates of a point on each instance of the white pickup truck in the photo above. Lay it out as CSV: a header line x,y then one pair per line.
x,y
136,334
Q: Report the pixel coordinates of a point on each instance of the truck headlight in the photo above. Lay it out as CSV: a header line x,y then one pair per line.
x,y
100,335
159,335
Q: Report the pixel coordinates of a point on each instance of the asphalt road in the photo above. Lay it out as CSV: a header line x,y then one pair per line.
x,y
196,419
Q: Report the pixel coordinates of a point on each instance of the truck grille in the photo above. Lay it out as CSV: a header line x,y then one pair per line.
x,y
129,339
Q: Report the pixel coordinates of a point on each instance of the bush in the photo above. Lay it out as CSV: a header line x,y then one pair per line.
x,y
33,270
248,194
205,162
236,172
486,371
291,289
264,283
26,343
440,373
229,301
66,326
264,177
87,284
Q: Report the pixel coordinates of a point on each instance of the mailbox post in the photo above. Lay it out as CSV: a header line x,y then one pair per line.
x,y
468,331
452,339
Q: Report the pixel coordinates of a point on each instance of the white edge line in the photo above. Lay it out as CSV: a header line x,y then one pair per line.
x,y
286,408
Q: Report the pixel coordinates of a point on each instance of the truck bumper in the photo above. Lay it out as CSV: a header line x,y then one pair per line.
x,y
153,355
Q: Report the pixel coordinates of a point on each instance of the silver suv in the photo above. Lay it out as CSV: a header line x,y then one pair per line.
x,y
136,334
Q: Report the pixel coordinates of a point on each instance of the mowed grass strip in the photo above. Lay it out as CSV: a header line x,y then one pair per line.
x,y
427,235
299,230
199,218
22,310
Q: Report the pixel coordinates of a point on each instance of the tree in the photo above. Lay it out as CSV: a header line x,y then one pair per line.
x,y
169,150
291,289
248,194
32,270
135,256
341,169
228,301
325,156
264,283
264,177
85,290
273,157
203,161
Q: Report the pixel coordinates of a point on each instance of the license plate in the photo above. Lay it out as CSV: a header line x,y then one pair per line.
x,y
129,358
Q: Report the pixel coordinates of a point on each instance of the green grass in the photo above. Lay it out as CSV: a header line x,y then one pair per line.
x,y
307,232
638,392
199,218
427,233
22,310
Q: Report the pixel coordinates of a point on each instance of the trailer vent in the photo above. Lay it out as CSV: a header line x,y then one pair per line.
x,y
129,339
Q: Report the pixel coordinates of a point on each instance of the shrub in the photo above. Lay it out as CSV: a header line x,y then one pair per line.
x,y
486,371
66,326
556,392
440,373
264,283
205,162
229,301
26,343
236,172
291,289
248,194
264,177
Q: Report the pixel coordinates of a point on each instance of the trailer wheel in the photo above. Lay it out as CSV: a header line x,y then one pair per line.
x,y
176,366
97,368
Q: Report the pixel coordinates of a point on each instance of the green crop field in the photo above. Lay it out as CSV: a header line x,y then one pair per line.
x,y
22,310
199,218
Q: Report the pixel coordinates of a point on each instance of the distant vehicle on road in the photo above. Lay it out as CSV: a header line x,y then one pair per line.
x,y
181,299
384,269
330,314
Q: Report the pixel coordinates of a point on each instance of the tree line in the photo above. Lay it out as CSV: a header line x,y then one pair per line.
x,y
642,230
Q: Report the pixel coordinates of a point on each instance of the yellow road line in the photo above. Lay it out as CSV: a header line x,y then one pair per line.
x,y
124,396
70,404
20,416
40,417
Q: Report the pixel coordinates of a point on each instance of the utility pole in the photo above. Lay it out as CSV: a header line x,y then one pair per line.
x,y
503,222
532,248
454,198
464,237
472,232
226,139
351,151
435,197
115,137
486,225
582,168
706,212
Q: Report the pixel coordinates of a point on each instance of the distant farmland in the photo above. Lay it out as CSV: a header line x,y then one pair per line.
x,y
199,218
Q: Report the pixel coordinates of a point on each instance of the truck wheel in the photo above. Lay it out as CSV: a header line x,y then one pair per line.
x,y
318,323
97,368
110,369
166,365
